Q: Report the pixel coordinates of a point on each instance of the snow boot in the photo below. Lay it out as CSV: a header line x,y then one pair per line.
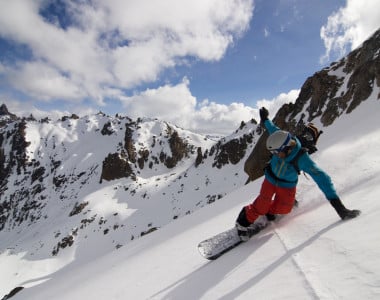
x,y
342,211
242,232
242,225
246,229
260,223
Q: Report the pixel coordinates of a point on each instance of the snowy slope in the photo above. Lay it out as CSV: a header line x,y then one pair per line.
x,y
310,254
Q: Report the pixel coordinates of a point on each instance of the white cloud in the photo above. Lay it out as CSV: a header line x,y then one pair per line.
x,y
214,118
26,108
40,80
347,28
176,104
117,44
273,105
170,103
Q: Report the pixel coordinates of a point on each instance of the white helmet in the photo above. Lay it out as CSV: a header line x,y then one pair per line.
x,y
278,140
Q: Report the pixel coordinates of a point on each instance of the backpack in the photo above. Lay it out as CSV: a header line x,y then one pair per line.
x,y
308,139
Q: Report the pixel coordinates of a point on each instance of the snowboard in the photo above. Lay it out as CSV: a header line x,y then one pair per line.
x,y
217,245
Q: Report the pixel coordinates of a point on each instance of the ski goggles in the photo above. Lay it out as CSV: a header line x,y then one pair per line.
x,y
284,149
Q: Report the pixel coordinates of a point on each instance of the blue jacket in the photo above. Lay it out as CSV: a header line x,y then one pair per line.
x,y
287,175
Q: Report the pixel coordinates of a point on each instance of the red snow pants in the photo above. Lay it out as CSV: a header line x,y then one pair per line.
x,y
272,199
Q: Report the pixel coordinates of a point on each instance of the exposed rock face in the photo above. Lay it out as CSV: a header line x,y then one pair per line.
x,y
326,95
178,147
128,143
17,156
3,110
107,129
232,151
5,116
120,165
199,158
115,167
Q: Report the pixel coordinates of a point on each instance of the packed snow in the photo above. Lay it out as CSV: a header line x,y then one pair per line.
x,y
309,254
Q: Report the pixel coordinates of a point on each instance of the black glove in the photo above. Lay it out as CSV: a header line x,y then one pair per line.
x,y
342,211
264,113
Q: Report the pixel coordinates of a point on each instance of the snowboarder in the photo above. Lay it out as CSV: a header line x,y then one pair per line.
x,y
277,194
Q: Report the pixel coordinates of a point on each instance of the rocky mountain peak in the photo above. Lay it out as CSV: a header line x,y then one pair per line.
x,y
3,110
5,115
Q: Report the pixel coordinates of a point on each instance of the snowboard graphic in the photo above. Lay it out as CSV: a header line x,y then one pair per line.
x,y
217,245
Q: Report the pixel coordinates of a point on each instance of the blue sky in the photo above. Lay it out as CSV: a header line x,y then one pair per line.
x,y
281,49
205,65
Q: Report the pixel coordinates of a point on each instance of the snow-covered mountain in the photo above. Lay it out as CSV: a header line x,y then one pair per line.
x,y
108,178
80,195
